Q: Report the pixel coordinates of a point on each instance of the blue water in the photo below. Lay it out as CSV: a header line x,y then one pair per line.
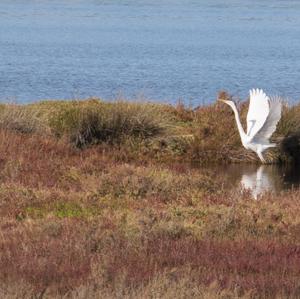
x,y
161,50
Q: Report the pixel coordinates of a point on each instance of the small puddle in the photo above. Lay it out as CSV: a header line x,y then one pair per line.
x,y
259,178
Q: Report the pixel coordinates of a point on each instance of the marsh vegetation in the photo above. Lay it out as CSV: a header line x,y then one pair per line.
x,y
98,199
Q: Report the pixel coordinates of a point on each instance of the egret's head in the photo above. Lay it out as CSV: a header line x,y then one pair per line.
x,y
224,97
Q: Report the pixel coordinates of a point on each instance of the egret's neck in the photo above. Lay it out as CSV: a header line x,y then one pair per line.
x,y
238,121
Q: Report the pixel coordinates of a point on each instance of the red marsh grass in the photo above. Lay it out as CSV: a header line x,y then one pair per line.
x,y
59,257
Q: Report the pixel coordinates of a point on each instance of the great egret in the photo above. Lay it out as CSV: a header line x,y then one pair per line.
x,y
262,118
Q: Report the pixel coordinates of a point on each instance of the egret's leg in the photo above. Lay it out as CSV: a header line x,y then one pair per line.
x,y
259,153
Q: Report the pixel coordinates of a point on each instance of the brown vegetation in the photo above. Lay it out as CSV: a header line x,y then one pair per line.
x,y
110,220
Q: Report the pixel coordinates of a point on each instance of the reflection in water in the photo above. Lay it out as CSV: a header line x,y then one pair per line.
x,y
259,178
271,178
258,181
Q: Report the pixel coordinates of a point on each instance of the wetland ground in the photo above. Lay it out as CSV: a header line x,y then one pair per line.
x,y
99,199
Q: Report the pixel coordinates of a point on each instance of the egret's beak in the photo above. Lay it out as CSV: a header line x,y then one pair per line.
x,y
224,101
227,102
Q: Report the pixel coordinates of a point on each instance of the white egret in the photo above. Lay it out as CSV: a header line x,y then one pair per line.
x,y
262,118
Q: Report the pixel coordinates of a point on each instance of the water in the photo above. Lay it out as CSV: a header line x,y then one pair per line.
x,y
165,50
258,179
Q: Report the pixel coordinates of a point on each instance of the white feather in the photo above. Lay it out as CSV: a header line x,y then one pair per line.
x,y
258,111
270,124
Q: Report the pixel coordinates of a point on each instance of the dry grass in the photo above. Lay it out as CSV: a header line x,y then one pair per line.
x,y
94,121
21,119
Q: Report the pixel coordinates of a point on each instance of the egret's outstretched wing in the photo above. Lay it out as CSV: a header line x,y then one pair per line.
x,y
258,111
270,124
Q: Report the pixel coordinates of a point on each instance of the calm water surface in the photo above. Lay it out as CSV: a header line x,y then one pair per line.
x,y
259,179
166,50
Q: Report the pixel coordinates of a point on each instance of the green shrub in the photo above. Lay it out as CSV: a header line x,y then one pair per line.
x,y
93,121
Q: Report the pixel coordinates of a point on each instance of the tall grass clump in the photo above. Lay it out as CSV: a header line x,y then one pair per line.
x,y
93,121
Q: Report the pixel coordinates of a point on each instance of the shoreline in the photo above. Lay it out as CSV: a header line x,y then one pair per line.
x,y
204,134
